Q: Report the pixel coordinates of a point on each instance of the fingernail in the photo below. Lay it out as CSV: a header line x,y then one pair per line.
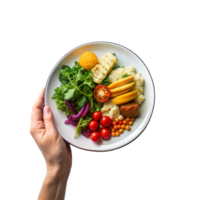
x,y
47,110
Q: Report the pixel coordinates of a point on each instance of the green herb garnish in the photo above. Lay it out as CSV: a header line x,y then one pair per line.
x,y
125,75
115,67
105,81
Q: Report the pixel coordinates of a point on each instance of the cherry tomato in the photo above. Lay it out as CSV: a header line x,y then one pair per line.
x,y
96,115
101,93
95,136
93,125
106,121
105,133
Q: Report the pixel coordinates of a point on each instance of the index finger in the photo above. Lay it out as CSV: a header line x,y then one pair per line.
x,y
37,107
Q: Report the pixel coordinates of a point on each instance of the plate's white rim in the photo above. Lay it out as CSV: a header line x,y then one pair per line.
x,y
102,42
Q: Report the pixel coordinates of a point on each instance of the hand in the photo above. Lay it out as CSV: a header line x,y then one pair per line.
x,y
56,151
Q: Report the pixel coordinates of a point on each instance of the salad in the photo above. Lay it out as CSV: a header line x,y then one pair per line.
x,y
99,98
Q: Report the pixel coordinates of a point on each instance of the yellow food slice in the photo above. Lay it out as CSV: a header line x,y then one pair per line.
x,y
115,94
121,82
118,89
125,97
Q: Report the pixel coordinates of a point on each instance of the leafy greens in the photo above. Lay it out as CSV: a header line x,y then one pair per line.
x,y
77,86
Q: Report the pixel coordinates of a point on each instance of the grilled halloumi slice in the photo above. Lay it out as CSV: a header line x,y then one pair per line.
x,y
101,70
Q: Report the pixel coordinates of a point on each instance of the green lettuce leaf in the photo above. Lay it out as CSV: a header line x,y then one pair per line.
x,y
60,101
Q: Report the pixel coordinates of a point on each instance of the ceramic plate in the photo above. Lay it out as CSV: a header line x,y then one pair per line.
x,y
126,58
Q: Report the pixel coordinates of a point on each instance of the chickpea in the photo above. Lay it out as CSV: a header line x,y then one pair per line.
x,y
114,123
117,120
128,119
132,119
117,133
115,127
121,130
130,123
120,122
124,122
113,134
128,128
118,126
113,130
123,126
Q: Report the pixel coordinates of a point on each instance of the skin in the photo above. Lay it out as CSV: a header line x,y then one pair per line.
x,y
56,152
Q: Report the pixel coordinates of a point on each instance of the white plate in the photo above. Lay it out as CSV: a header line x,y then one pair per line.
x,y
125,58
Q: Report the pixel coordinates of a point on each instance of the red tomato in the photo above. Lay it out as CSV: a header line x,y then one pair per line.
x,y
96,115
93,125
101,93
105,133
95,136
106,121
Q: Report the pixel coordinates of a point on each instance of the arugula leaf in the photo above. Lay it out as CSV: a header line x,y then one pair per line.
x,y
125,75
81,101
69,94
105,81
113,54
96,106
87,91
85,122
60,101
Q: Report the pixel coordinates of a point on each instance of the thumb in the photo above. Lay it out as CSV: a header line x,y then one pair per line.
x,y
48,119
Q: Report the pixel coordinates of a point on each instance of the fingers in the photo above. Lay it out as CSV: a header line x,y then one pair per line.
x,y
48,120
37,108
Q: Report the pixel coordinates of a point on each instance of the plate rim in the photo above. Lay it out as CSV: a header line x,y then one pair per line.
x,y
104,42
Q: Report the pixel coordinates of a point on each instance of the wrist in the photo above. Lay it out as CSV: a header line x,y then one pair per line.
x,y
56,173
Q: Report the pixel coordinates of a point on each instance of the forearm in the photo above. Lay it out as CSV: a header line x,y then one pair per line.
x,y
53,187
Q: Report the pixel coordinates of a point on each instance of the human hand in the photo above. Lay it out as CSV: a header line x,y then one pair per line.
x,y
56,151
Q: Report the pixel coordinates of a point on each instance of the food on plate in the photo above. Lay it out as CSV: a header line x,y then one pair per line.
x,y
101,93
110,109
117,133
95,136
105,133
124,98
93,125
132,119
86,132
120,117
99,98
113,134
96,115
116,75
121,82
88,60
106,121
121,88
115,94
101,70
128,128
139,81
130,109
